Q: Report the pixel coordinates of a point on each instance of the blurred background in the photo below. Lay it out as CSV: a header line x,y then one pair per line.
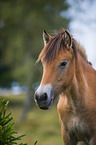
x,y
21,26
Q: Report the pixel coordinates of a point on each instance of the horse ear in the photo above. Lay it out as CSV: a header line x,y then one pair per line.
x,y
46,37
68,39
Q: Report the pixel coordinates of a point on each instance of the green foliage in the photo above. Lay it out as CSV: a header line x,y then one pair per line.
x,y
22,23
35,143
7,134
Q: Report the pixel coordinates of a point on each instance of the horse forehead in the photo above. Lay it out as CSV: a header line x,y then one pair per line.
x,y
63,54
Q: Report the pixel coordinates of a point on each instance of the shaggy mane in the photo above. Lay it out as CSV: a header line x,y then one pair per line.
x,y
57,43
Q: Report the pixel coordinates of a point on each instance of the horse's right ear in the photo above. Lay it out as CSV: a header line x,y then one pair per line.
x,y
46,37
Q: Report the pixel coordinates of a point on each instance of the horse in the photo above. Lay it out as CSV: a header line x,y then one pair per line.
x,y
69,75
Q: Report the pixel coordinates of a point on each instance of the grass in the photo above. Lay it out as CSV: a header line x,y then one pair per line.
x,y
15,99
41,126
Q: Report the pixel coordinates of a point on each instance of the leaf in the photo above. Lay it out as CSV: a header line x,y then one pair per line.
x,y
35,142
6,130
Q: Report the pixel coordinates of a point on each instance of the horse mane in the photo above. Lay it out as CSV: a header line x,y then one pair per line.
x,y
56,43
81,50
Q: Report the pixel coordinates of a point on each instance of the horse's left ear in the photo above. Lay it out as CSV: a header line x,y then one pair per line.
x,y
46,37
68,39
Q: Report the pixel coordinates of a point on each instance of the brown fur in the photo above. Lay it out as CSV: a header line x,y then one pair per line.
x,y
76,85
56,43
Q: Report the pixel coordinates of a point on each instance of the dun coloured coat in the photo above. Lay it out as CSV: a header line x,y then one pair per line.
x,y
68,74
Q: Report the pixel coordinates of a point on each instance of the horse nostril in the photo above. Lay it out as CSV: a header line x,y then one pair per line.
x,y
40,98
36,97
45,96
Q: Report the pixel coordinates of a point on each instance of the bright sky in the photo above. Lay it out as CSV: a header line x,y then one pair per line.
x,y
83,24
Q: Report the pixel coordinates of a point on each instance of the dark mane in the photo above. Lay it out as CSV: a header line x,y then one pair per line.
x,y
57,43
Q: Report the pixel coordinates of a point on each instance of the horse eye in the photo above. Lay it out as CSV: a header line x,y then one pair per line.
x,y
63,63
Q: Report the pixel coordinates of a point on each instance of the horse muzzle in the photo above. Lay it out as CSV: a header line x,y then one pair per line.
x,y
44,96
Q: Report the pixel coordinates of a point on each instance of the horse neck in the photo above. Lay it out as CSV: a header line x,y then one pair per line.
x,y
80,87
